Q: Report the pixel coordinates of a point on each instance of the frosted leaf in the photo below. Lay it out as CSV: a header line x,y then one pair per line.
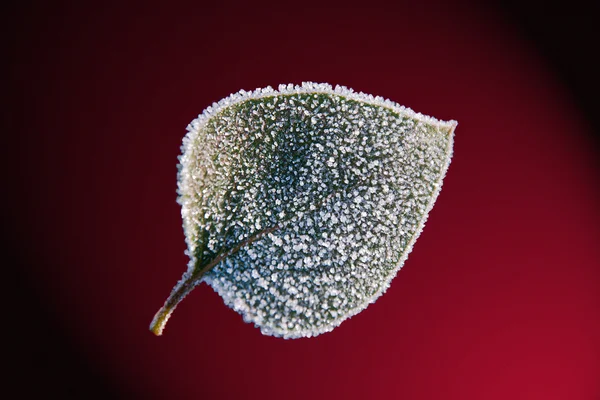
x,y
300,205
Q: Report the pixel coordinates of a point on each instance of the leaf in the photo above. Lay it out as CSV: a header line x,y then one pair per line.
x,y
300,205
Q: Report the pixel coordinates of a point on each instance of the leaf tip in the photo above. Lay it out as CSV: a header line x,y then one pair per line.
x,y
451,126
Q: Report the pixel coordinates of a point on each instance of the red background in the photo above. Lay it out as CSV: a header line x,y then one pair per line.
x,y
500,298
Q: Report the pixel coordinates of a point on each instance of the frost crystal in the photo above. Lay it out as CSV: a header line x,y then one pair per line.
x,y
307,200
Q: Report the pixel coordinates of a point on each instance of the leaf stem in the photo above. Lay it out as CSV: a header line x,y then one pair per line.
x,y
188,283
162,316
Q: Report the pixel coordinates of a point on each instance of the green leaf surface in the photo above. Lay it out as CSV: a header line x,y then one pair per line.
x,y
300,205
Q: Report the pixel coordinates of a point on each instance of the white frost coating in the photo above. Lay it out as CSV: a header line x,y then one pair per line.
x,y
317,196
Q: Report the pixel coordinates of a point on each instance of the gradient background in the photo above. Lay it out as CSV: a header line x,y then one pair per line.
x,y
500,298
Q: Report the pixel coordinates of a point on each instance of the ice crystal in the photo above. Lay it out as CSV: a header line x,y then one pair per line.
x,y
300,204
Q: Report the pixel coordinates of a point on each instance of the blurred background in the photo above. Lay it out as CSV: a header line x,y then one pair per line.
x,y
499,299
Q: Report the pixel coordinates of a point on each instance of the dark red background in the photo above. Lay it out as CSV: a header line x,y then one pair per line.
x,y
500,298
